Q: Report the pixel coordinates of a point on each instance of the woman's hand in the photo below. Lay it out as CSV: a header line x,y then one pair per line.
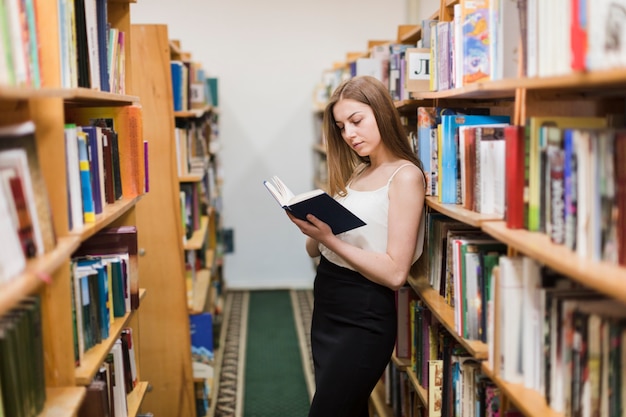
x,y
312,227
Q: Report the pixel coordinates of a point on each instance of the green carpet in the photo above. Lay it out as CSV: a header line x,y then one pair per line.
x,y
275,384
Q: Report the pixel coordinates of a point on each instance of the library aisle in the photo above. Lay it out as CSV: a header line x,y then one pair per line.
x,y
266,365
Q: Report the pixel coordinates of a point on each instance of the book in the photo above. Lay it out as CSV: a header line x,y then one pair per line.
x,y
12,258
202,347
120,241
127,127
316,202
449,172
22,136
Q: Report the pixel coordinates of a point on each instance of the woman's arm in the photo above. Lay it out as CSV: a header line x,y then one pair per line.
x,y
312,247
406,203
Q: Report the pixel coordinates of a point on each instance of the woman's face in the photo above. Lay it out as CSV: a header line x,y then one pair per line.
x,y
358,126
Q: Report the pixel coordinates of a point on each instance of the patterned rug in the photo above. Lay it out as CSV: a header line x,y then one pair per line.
x,y
231,355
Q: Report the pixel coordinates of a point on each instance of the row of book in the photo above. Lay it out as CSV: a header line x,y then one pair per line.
x,y
92,51
557,338
450,379
107,159
192,88
22,379
480,43
557,175
114,380
105,285
25,220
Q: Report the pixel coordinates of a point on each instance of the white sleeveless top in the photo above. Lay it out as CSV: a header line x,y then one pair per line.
x,y
373,208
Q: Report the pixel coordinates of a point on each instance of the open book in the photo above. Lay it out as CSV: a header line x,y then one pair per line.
x,y
315,202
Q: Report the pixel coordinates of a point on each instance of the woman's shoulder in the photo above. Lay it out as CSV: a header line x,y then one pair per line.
x,y
408,174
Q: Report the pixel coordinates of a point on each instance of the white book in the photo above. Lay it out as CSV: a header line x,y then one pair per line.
x,y
606,34
91,25
531,338
18,160
72,170
510,283
12,259
119,389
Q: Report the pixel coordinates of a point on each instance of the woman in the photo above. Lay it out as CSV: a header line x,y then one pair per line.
x,y
374,173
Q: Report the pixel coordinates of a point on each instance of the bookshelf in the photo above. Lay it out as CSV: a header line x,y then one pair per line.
x,y
164,341
591,92
48,275
166,338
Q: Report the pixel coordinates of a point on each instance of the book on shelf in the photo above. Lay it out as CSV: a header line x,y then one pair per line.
x,y
117,241
18,152
537,143
12,256
202,347
120,405
449,163
127,124
514,137
435,387
404,296
316,202
86,185
96,402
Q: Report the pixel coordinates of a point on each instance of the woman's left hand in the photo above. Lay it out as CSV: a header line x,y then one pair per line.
x,y
312,227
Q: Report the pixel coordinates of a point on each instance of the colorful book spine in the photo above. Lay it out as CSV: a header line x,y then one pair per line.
x,y
89,213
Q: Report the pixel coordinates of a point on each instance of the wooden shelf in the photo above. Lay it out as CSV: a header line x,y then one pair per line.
x,y
193,113
110,213
199,291
409,33
529,402
95,356
199,236
445,315
595,83
191,177
603,277
37,272
135,398
377,401
457,212
422,392
63,402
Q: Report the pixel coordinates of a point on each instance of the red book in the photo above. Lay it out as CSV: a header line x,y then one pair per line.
x,y
620,194
514,137
578,37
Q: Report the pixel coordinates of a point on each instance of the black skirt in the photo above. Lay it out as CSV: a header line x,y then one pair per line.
x,y
353,333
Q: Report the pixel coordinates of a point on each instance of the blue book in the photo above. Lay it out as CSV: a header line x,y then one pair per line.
x,y
89,213
202,352
176,69
449,172
94,154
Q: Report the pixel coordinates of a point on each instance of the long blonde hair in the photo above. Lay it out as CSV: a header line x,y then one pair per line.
x,y
342,160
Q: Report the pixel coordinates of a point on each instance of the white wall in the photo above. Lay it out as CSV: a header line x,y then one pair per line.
x,y
268,56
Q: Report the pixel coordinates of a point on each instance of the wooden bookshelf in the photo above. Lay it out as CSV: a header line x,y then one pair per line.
x,y
49,275
459,213
445,315
135,398
162,265
377,401
603,277
529,402
422,393
199,237
38,272
63,402
197,299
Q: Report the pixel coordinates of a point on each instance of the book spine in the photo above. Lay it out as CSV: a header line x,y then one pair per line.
x,y
89,214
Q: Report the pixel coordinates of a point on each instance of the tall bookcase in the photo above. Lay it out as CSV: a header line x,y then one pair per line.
x,y
49,275
165,351
578,94
165,245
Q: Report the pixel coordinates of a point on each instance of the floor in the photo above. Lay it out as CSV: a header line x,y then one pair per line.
x,y
229,385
